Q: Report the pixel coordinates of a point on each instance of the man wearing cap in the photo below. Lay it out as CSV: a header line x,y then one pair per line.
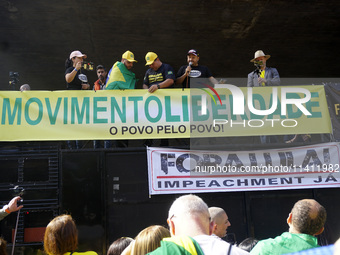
x,y
74,75
263,75
159,75
193,70
120,75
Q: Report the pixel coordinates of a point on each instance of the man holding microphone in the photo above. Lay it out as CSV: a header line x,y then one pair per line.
x,y
194,70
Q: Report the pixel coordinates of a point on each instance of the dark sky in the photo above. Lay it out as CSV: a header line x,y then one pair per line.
x,y
36,37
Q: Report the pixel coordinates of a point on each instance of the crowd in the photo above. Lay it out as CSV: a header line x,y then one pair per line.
x,y
193,228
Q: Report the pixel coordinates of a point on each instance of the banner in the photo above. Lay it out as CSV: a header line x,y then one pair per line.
x,y
167,113
173,171
333,100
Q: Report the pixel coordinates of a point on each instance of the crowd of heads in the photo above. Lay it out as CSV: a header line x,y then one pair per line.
x,y
188,216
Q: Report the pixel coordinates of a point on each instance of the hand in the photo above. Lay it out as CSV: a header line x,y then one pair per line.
x,y
13,206
79,65
262,80
306,137
222,81
85,86
188,70
153,88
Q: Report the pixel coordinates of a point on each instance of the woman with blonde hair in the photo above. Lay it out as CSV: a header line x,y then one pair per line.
x,y
61,237
149,239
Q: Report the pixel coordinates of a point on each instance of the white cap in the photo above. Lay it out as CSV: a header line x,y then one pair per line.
x,y
77,53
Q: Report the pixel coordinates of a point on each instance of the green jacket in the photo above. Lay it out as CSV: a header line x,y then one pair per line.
x,y
285,243
178,245
120,77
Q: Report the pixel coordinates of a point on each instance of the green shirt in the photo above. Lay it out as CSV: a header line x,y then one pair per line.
x,y
285,243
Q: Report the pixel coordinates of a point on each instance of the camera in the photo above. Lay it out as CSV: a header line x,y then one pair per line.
x,y
258,65
13,78
88,66
18,191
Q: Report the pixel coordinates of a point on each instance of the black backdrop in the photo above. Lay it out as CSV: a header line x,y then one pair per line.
x,y
301,36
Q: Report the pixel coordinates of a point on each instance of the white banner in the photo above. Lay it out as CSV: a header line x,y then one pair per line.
x,y
188,171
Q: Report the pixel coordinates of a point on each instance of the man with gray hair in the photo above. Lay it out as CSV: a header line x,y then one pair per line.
x,y
189,218
25,87
220,221
306,220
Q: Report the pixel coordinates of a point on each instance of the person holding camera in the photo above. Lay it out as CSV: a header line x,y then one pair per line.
x,y
12,206
75,77
263,75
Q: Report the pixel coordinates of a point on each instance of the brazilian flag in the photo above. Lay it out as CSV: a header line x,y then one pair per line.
x,y
121,77
183,245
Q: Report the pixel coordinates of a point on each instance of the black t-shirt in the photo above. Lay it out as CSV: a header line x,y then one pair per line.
x,y
196,72
76,83
164,72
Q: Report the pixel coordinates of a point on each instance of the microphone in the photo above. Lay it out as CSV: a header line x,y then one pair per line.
x,y
190,64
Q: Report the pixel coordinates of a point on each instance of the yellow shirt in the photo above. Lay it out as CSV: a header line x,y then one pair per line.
x,y
81,253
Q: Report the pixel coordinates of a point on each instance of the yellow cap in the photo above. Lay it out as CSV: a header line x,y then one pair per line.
x,y
128,55
150,58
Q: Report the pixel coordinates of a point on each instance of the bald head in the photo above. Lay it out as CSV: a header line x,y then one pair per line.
x,y
216,213
220,221
308,217
189,215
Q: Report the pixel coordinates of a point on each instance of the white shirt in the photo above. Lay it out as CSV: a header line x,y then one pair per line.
x,y
213,245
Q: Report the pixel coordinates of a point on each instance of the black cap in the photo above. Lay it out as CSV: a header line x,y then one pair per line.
x,y
193,51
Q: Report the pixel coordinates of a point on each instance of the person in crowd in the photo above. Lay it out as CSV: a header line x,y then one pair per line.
x,y
12,206
193,70
120,76
100,85
3,246
159,75
190,229
118,246
61,237
248,244
102,75
306,220
25,87
263,75
220,221
149,239
76,79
